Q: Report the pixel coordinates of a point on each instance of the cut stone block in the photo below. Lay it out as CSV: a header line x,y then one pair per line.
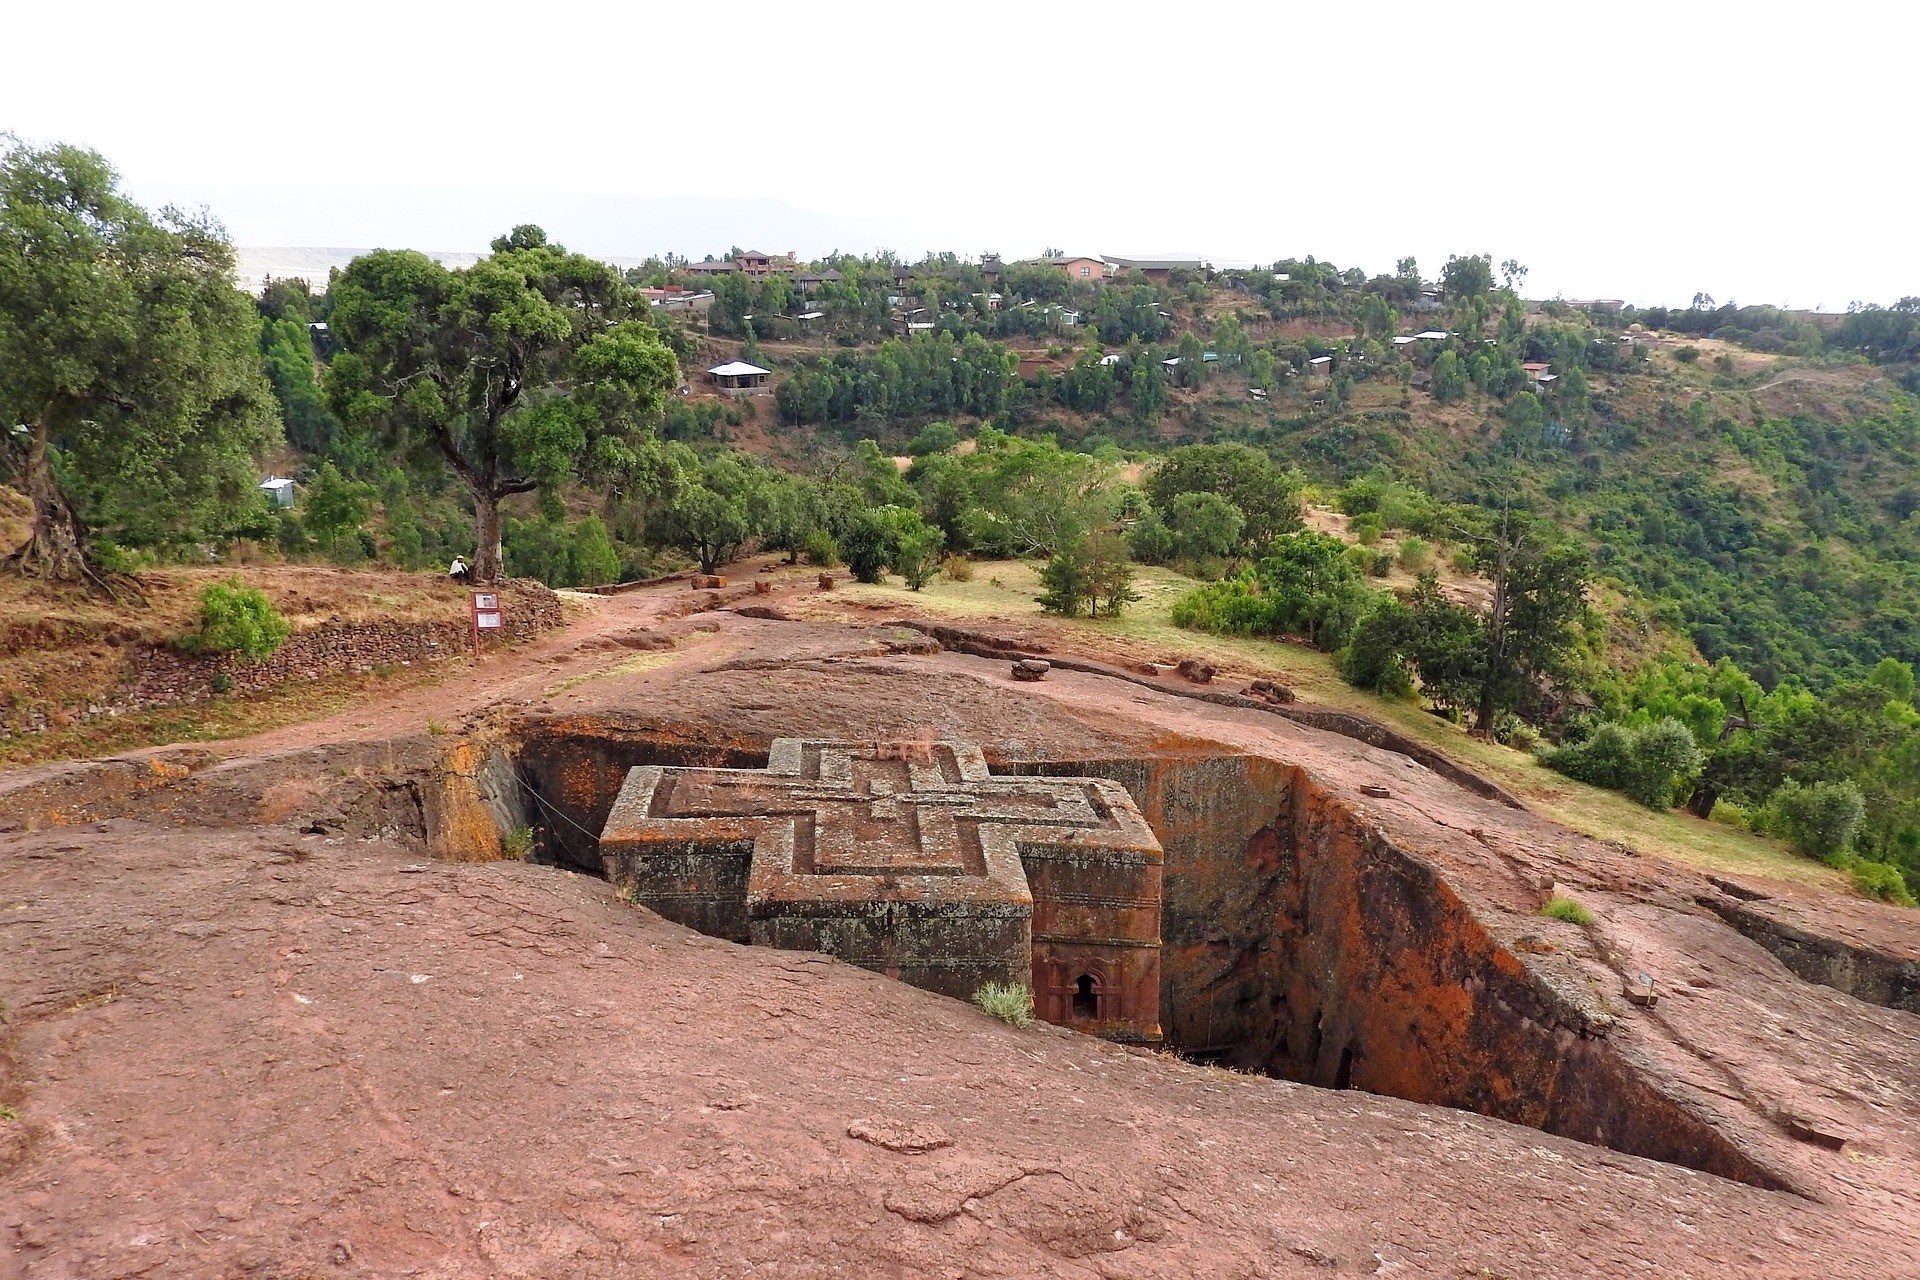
x,y
912,860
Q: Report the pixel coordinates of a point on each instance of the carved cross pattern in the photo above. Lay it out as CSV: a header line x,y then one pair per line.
x,y
913,860
846,809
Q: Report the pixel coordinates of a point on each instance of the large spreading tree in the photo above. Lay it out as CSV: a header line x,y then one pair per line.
x,y
131,398
529,366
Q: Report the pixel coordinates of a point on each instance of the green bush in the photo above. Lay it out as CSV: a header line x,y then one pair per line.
x,y
1881,880
823,549
1311,585
1067,580
517,843
1562,908
1368,528
235,618
936,437
1151,541
1415,554
1373,664
1649,764
868,546
1818,821
1687,355
1010,1002
1730,814
916,555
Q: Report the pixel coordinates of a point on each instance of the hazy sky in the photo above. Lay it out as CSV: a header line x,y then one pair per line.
x,y
1761,152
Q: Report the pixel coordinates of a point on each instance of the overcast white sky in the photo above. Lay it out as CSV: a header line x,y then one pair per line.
x,y
1761,152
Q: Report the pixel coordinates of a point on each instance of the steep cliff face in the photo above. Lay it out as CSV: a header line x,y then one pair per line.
x,y
1297,941
1302,943
573,767
1862,971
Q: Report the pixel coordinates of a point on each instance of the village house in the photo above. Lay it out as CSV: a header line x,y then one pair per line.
x,y
737,376
756,263
279,490
751,262
1078,266
1158,270
671,300
807,281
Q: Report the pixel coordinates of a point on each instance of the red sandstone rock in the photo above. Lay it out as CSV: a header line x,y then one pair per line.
x,y
1197,671
906,1137
1268,691
342,1118
911,859
1031,669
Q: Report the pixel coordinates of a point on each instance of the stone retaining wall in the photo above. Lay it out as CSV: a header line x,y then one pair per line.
x,y
160,676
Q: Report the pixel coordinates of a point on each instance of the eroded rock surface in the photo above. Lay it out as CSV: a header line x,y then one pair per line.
x,y
236,1049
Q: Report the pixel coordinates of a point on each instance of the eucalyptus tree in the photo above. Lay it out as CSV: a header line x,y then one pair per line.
x,y
528,367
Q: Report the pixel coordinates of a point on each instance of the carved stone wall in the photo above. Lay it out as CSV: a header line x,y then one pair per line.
x,y
913,861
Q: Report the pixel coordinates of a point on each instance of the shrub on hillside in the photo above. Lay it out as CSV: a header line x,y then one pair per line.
x,y
868,547
1309,586
823,549
237,619
1649,763
1819,820
1094,574
1415,554
1372,660
1881,880
916,554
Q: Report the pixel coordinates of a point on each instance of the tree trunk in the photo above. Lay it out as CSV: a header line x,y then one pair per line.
x,y
1701,803
56,548
486,523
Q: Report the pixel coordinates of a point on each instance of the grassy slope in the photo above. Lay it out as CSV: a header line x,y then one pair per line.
x,y
62,652
1007,589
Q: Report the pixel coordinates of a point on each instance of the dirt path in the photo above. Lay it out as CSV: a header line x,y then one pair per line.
x,y
589,644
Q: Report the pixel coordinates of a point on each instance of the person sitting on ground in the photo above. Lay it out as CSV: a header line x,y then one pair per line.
x,y
460,570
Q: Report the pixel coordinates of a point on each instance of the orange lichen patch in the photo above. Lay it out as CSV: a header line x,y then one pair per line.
x,y
460,826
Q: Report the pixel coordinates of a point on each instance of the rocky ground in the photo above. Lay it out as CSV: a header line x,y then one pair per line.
x,y
254,1029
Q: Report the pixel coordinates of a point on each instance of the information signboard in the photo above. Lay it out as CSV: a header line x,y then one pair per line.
x,y
483,607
